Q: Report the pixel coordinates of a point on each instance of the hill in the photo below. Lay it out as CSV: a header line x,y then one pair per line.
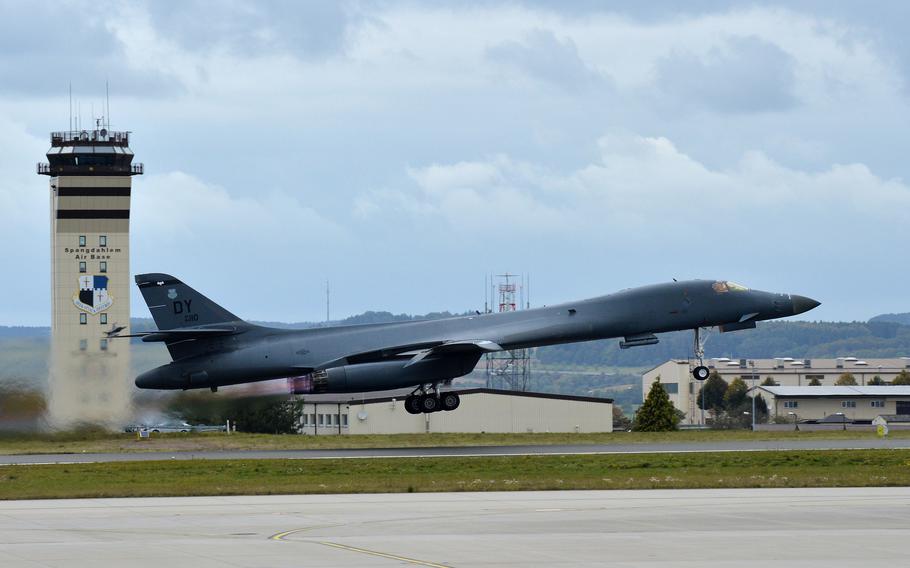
x,y
903,319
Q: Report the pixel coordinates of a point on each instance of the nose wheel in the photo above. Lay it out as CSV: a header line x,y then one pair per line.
x,y
700,373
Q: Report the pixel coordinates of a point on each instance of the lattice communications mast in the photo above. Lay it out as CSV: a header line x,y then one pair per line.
x,y
509,370
90,184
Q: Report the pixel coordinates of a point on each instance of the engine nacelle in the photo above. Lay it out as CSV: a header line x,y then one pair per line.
x,y
392,374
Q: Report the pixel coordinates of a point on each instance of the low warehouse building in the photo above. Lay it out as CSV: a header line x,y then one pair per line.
x,y
676,375
481,410
862,404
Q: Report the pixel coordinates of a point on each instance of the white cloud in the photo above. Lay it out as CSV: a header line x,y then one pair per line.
x,y
648,188
427,143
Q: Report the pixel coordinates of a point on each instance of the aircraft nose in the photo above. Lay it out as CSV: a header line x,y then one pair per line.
x,y
803,304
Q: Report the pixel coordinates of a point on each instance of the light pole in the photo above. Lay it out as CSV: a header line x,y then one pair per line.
x,y
752,364
795,421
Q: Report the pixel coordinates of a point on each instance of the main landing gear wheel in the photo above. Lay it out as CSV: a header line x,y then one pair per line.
x,y
450,401
700,373
429,403
412,404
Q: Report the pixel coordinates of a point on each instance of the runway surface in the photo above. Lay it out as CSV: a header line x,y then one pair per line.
x,y
681,528
753,445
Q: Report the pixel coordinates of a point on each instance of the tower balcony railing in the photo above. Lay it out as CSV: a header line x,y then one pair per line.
x,y
98,136
46,169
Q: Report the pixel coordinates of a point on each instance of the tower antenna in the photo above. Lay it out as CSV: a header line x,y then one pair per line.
x,y
71,106
485,294
107,98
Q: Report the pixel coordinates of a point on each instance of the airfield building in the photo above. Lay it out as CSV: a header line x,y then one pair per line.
x,y
837,404
481,410
90,184
676,377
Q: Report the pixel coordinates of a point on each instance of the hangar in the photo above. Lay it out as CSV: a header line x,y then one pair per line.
x,y
481,410
851,404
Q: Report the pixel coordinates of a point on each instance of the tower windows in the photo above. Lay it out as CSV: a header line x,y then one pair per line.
x,y
83,319
103,266
82,266
102,241
81,240
104,344
83,344
103,319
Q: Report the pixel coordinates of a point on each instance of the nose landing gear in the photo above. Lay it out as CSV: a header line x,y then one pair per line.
x,y
700,372
423,402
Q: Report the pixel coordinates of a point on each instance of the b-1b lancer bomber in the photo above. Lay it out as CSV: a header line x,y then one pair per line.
x,y
211,347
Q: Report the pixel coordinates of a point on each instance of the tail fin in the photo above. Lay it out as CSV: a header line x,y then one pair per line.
x,y
174,305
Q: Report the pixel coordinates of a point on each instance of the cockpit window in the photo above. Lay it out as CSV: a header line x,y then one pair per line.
x,y
722,287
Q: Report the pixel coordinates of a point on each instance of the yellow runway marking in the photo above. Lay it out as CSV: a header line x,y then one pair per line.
x,y
283,535
384,555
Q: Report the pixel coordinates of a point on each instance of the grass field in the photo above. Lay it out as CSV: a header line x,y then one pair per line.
x,y
834,468
96,441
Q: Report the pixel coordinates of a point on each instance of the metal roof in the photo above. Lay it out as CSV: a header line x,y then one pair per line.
x,y
835,391
400,394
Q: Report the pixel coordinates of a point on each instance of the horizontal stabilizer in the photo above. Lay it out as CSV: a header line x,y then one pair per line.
x,y
180,334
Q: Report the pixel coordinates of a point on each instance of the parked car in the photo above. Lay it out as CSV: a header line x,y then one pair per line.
x,y
175,427
170,427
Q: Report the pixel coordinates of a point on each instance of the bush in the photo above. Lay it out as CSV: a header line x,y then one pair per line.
x,y
270,417
620,420
657,413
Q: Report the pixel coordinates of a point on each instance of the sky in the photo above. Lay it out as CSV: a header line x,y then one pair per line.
x,y
404,150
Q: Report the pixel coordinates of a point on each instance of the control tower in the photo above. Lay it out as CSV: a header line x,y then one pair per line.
x,y
90,182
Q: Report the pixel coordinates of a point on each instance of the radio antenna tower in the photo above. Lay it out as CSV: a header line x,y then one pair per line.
x,y
508,370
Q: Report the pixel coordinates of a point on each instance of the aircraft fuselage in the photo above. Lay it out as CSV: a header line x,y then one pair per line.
x,y
382,356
